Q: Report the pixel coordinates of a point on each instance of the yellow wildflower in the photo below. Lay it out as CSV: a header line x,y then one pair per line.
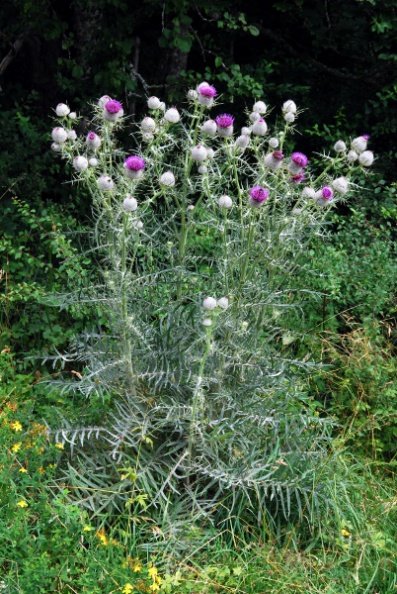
x,y
22,469
38,429
152,571
59,445
102,536
41,470
16,426
127,589
134,564
345,532
17,446
87,529
22,503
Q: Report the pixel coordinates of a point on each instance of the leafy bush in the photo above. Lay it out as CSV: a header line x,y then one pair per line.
x,y
37,258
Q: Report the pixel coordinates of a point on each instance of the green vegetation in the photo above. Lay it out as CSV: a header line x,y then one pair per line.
x,y
59,529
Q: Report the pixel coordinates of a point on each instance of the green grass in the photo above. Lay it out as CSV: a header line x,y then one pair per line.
x,y
51,545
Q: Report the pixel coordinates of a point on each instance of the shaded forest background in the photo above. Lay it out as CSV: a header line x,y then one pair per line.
x,y
336,59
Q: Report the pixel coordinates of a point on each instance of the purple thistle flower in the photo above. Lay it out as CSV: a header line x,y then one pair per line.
x,y
299,159
135,163
91,135
366,136
113,106
278,155
207,91
224,120
327,192
297,178
259,194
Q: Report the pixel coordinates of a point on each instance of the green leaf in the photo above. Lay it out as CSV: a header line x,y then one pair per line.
x,y
253,30
77,71
183,44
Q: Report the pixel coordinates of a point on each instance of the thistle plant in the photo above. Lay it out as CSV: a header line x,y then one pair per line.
x,y
198,229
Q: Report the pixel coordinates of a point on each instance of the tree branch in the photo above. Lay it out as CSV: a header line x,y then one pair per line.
x,y
318,65
15,48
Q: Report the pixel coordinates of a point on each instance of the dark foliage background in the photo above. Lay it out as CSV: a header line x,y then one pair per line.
x,y
335,58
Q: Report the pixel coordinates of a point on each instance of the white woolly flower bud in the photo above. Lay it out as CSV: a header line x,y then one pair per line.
x,y
147,136
56,147
168,179
93,161
273,142
199,153
242,141
209,303
259,107
210,153
148,125
190,207
104,99
72,135
324,196
59,135
138,225
225,131
62,110
207,322
223,302
133,173
192,95
105,183
339,146
129,203
340,185
366,158
360,144
352,156
93,141
259,127
80,163
202,169
246,131
294,168
308,192
289,117
72,115
153,103
274,160
172,115
162,106
225,201
209,127
254,116
289,107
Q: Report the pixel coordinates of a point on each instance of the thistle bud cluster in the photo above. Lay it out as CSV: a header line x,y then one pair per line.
x,y
199,172
213,306
358,151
